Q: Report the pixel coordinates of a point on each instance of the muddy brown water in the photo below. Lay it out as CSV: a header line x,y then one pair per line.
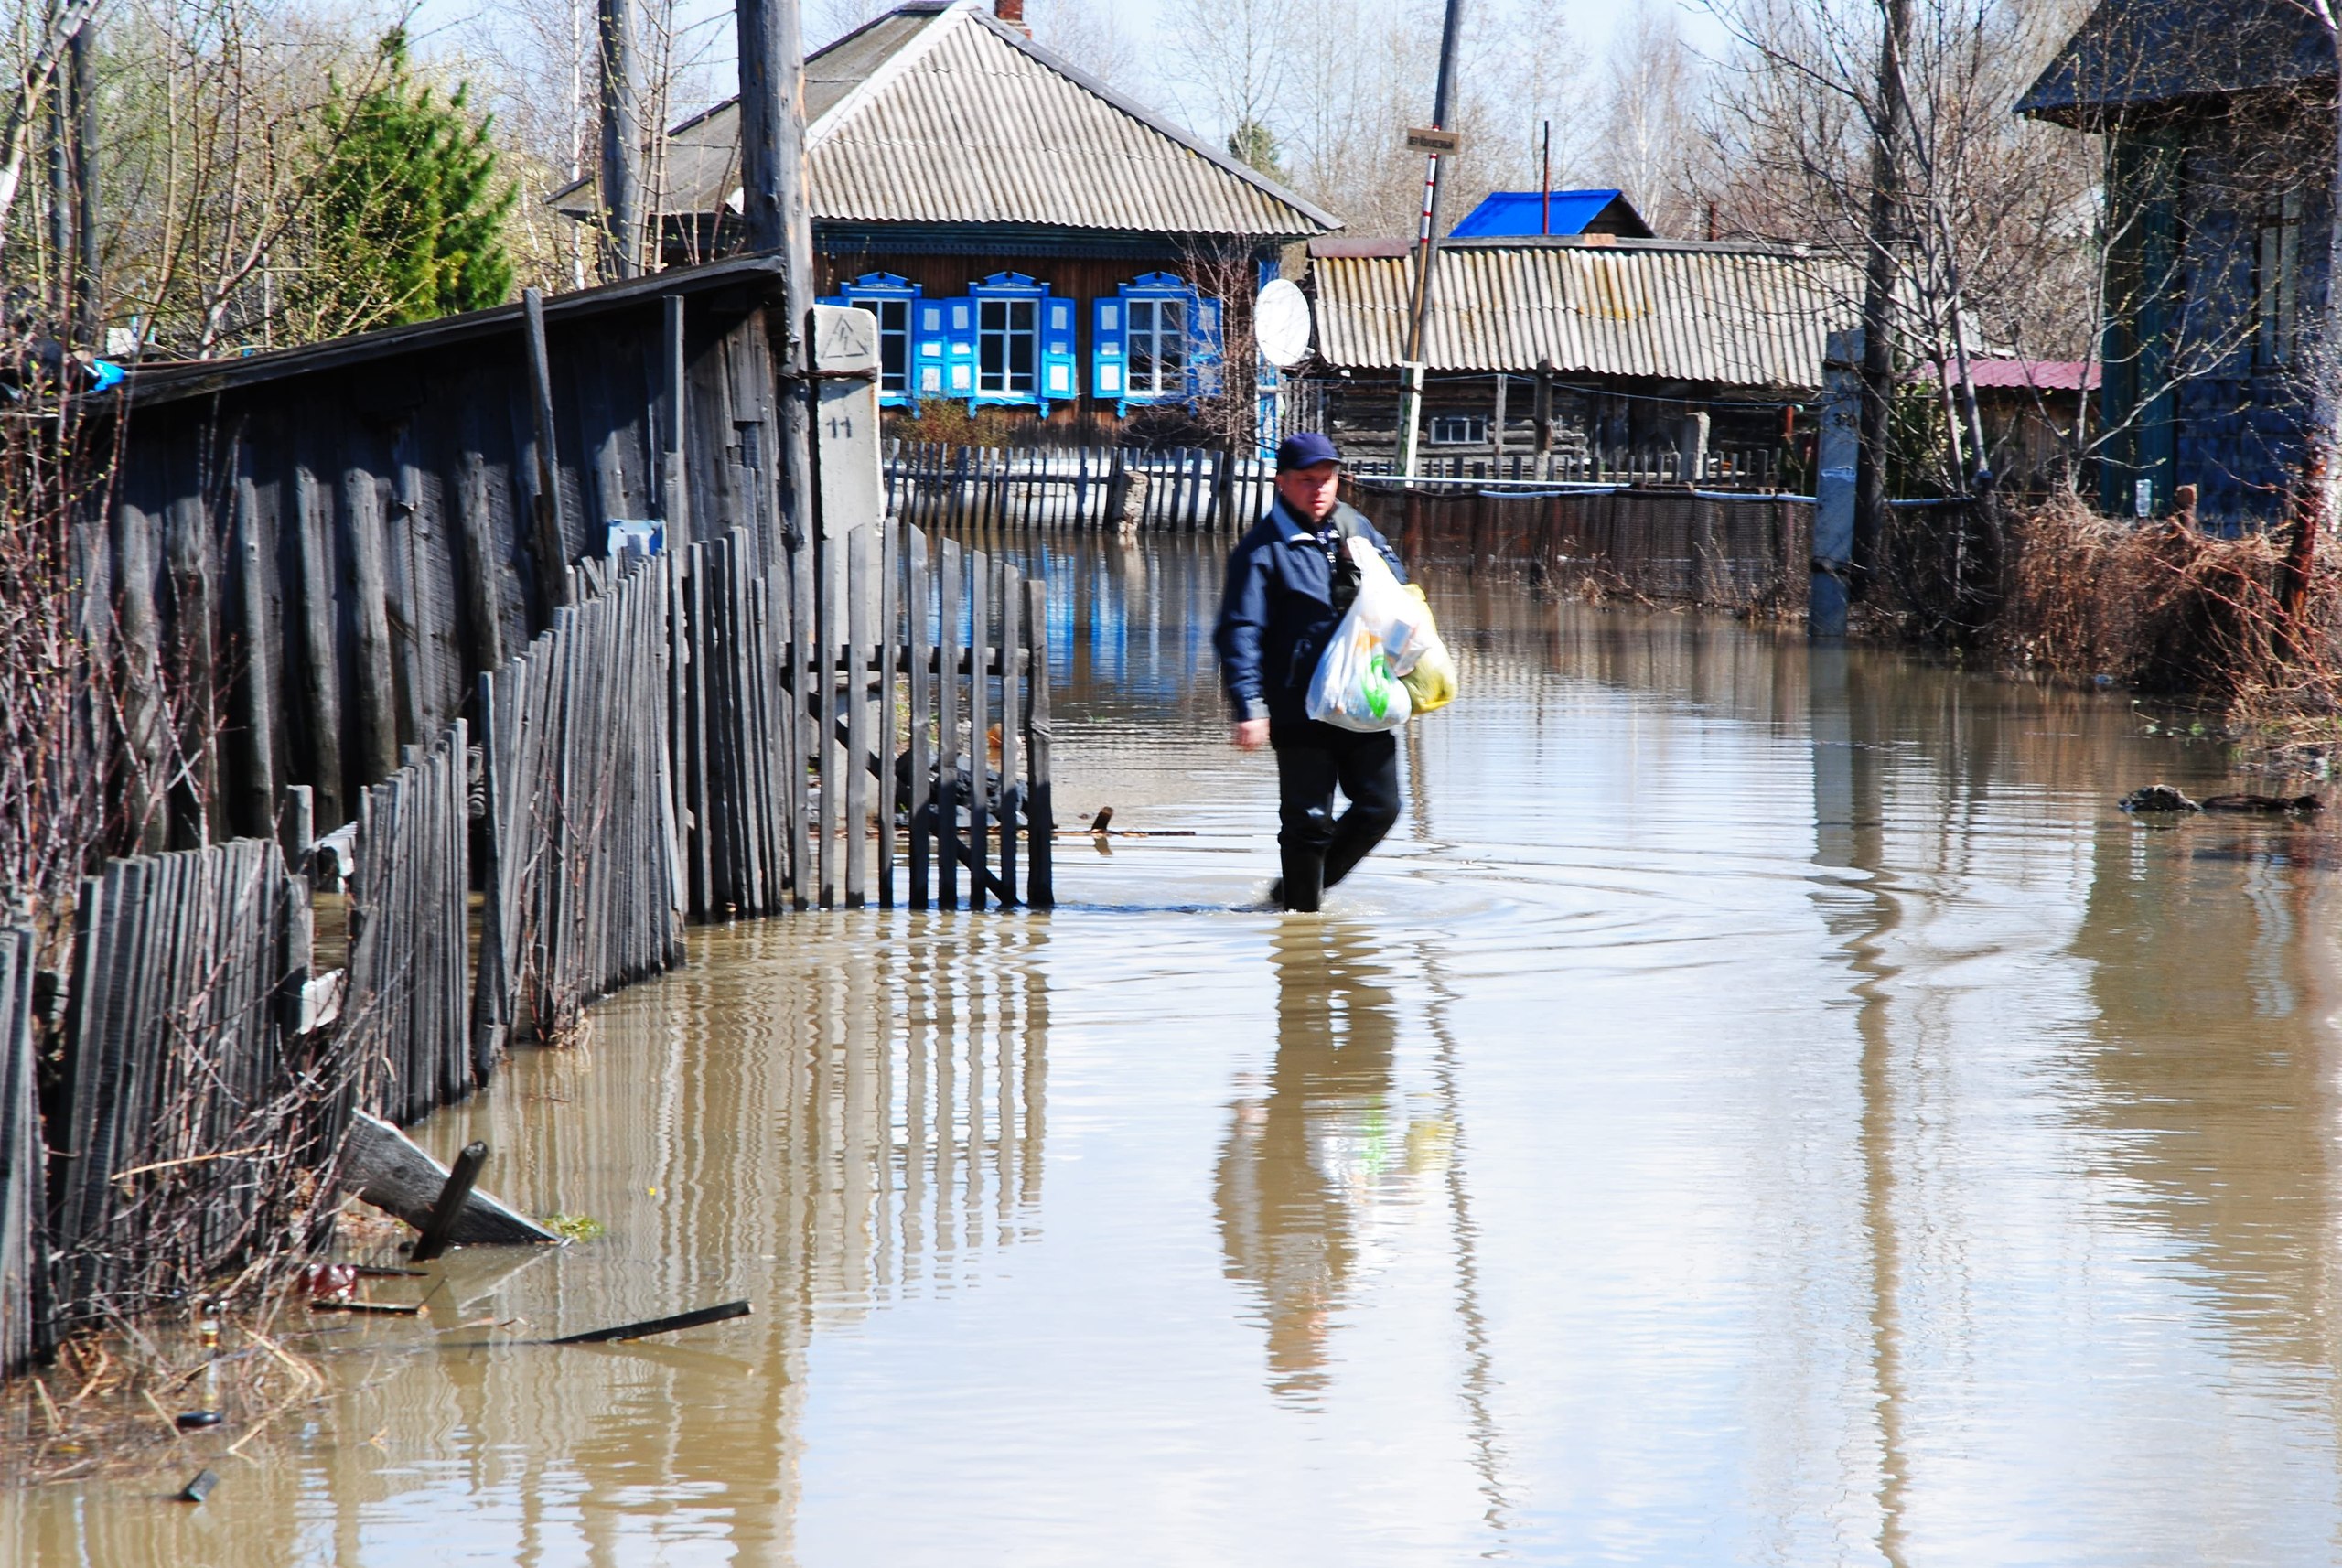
x,y
1762,1106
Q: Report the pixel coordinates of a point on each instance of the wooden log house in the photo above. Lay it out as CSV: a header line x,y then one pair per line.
x,y
2215,122
1599,350
1030,240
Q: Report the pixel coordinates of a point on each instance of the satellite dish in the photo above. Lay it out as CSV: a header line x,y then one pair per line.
x,y
1281,324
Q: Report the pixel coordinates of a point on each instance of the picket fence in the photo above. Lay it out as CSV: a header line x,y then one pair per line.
x,y
697,737
1186,489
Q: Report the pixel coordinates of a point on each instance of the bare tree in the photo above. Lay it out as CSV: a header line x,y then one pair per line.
x,y
549,137
1650,145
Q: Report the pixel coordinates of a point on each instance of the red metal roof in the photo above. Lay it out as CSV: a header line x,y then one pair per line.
x,y
2031,375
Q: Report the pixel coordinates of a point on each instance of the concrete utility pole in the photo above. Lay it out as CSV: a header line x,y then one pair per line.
x,y
779,221
1411,390
621,173
1835,450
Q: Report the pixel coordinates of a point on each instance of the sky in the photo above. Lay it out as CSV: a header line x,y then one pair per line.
x,y
1591,22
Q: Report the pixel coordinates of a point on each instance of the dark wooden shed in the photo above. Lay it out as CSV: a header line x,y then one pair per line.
x,y
321,549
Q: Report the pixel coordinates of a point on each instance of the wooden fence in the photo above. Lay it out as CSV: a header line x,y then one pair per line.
x,y
1669,545
696,737
406,971
356,530
193,1114
582,862
24,1188
1184,489
925,694
1757,467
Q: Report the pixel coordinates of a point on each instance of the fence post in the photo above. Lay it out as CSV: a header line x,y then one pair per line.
x,y
1040,886
947,726
919,598
890,585
1010,644
979,723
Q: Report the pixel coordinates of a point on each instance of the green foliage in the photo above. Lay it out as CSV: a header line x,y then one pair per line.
x,y
1255,145
408,219
575,1226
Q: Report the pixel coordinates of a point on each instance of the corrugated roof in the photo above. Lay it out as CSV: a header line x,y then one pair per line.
x,y
2029,375
1512,214
2131,54
1689,313
943,114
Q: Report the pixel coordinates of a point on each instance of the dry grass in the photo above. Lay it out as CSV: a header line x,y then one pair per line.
x,y
2167,609
109,1403
2161,606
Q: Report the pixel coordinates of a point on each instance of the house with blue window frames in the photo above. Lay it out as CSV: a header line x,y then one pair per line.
x,y
1030,239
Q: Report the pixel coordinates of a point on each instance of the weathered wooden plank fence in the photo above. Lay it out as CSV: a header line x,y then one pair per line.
x,y
24,1188
337,541
930,703
1183,489
583,864
656,756
1673,545
404,999
195,1119
343,552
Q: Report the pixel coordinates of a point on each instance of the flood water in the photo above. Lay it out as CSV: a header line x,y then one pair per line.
x,y
1762,1106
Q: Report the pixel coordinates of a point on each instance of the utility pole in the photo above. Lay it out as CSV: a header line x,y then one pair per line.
x,y
1411,389
780,224
621,172
1890,133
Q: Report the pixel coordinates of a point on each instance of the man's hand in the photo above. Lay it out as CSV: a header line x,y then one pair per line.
x,y
1250,734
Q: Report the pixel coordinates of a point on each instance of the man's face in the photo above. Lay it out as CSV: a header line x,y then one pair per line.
x,y
1309,491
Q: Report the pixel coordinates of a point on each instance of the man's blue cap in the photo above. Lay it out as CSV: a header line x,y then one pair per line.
x,y
1306,450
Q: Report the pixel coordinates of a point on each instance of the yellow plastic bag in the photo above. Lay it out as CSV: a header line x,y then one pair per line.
x,y
1431,684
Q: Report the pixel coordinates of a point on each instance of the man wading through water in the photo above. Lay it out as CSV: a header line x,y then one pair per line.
x,y
1289,581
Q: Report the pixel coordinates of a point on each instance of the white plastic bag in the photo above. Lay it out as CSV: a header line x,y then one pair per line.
x,y
1357,685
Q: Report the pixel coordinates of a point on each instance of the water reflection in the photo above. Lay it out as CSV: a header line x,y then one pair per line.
x,y
2216,979
1307,1162
822,1127
1764,1106
1861,909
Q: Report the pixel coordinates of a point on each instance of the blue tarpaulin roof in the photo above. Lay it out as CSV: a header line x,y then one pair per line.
x,y
1512,214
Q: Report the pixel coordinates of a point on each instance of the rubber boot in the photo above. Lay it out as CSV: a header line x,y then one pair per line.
x,y
1303,887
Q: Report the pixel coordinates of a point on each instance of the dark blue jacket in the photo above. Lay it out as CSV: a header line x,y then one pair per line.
x,y
1277,611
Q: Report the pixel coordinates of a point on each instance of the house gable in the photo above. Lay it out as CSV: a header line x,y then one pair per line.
x,y
941,115
2133,56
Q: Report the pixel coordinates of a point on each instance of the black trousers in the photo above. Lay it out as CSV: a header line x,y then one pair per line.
x,y
1318,849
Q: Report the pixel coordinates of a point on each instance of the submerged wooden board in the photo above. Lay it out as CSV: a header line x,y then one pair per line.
x,y
385,1167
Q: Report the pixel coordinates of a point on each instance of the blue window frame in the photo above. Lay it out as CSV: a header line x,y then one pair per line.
x,y
1019,344
894,301
1155,341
